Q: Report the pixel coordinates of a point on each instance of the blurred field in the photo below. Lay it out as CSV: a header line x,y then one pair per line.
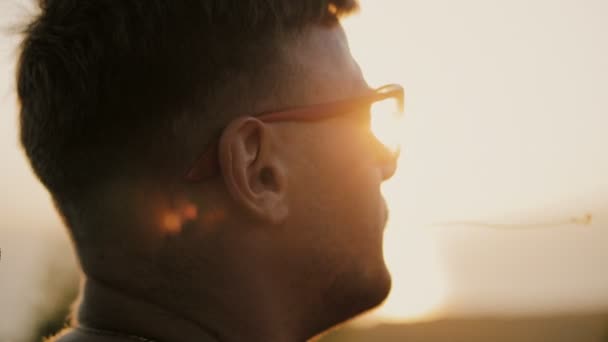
x,y
567,328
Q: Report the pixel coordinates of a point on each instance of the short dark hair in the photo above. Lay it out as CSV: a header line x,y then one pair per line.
x,y
108,88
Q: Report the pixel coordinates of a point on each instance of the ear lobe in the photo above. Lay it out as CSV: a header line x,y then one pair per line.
x,y
254,173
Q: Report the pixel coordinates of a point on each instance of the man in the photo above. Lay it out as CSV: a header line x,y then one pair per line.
x,y
213,162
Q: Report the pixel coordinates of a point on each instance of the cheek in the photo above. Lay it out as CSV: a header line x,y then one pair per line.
x,y
346,148
351,172
357,209
345,186
335,183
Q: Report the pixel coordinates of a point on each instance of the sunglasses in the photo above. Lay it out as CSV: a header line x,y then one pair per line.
x,y
385,105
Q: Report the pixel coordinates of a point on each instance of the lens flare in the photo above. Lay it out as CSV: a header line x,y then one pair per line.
x,y
173,220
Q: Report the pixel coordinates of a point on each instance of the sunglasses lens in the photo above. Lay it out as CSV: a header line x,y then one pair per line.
x,y
387,123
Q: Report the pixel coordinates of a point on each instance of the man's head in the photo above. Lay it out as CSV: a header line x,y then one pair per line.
x,y
120,98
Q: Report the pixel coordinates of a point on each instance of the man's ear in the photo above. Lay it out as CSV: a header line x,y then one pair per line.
x,y
253,169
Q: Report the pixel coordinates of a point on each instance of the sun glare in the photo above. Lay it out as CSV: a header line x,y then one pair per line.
x,y
386,123
419,286
411,254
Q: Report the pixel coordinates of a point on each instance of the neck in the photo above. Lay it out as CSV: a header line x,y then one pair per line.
x,y
108,309
251,314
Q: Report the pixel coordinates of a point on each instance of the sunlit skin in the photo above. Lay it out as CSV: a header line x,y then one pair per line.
x,y
405,302
408,300
285,243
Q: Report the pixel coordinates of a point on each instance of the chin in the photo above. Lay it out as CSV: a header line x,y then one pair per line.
x,y
350,302
371,281
359,292
379,288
